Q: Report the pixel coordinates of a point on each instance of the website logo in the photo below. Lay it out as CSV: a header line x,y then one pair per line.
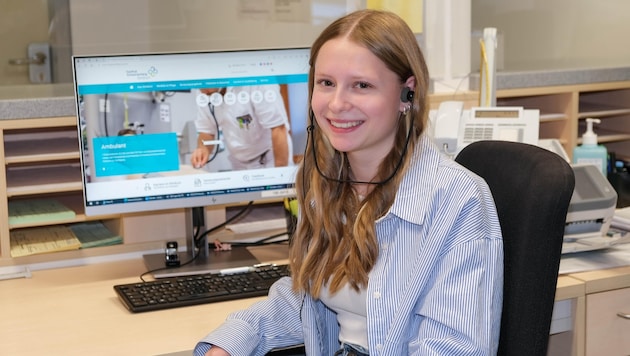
x,y
150,73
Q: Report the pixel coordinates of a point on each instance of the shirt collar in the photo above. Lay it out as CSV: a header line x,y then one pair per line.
x,y
418,183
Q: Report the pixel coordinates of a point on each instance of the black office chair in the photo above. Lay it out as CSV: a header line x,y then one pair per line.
x,y
532,188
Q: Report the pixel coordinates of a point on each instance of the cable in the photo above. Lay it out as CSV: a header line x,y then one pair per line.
x,y
238,215
197,237
105,108
216,123
262,242
269,240
400,161
165,268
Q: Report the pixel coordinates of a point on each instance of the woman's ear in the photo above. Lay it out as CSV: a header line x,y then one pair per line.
x,y
411,83
407,94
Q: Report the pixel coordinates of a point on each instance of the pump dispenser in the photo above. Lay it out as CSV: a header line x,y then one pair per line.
x,y
590,152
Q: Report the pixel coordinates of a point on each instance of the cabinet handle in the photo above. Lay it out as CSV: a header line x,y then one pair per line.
x,y
623,315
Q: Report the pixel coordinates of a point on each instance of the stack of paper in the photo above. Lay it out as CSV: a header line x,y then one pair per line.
x,y
34,241
94,233
38,210
621,219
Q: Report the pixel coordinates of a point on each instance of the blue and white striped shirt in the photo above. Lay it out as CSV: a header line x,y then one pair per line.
x,y
436,288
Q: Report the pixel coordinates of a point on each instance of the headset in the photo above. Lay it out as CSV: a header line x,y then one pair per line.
x,y
406,96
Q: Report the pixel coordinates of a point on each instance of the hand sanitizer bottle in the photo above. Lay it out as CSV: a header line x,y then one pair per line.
x,y
590,152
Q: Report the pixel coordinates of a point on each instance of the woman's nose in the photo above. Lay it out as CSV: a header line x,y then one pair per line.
x,y
339,101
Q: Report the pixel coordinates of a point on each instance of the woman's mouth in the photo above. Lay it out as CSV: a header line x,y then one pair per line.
x,y
344,124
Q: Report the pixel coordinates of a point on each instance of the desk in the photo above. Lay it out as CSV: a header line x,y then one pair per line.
x,y
74,311
569,290
607,292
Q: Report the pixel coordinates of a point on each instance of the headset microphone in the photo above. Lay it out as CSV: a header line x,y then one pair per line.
x,y
406,95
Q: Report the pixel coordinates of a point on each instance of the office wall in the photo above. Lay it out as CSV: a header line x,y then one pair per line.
x,y
558,34
119,26
21,23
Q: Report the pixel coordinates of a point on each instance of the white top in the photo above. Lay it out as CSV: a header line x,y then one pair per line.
x,y
350,307
245,116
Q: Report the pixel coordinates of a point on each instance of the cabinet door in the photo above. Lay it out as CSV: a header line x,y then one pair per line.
x,y
608,333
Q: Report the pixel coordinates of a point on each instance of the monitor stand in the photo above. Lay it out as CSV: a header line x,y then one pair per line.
x,y
207,261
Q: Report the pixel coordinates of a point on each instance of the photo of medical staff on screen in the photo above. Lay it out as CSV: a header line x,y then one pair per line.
x,y
152,134
251,122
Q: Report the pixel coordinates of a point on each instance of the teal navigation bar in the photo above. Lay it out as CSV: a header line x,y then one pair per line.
x,y
185,85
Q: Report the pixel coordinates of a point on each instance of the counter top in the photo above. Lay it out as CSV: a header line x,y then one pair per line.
x,y
556,77
75,311
36,100
37,107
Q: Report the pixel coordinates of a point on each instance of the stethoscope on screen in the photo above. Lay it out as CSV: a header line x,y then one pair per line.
x,y
218,138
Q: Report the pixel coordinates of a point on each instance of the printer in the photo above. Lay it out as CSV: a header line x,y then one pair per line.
x,y
591,211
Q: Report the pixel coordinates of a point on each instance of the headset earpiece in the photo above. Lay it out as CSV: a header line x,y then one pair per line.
x,y
406,95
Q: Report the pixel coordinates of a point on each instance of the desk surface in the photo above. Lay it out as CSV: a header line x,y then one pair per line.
x,y
74,311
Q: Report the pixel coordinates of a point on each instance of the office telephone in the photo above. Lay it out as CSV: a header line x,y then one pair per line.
x,y
454,127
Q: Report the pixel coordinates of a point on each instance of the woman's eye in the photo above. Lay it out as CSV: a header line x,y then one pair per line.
x,y
325,82
363,85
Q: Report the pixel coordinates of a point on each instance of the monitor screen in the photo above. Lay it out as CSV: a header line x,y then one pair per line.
x,y
141,117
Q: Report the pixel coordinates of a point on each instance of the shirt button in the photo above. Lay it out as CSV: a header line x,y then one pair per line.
x,y
384,246
376,295
379,347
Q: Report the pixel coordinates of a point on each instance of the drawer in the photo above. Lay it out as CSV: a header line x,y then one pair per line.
x,y
607,333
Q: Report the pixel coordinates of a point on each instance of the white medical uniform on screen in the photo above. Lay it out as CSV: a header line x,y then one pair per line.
x,y
245,116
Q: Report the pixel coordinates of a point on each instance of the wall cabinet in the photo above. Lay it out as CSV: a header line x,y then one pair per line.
x,y
564,108
41,160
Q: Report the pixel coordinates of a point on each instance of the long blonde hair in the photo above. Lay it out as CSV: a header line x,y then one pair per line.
x,y
335,241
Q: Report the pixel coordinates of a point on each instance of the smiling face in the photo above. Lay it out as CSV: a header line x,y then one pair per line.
x,y
356,100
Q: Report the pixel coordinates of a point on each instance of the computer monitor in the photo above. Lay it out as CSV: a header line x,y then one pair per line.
x,y
138,118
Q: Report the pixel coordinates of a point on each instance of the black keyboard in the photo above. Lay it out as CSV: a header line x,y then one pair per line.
x,y
183,291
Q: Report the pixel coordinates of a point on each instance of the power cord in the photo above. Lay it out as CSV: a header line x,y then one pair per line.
x,y
269,240
238,215
198,237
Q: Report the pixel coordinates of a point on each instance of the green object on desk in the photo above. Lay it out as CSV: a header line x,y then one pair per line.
x,y
291,204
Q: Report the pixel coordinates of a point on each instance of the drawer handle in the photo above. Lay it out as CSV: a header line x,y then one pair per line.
x,y
623,315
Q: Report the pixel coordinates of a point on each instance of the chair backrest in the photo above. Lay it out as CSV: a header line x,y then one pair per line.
x,y
532,188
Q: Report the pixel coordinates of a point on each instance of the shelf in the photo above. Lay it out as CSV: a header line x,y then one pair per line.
x,y
608,138
58,149
548,117
596,110
43,180
77,219
74,201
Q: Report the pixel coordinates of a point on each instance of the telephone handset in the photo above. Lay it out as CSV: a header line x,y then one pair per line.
x,y
454,128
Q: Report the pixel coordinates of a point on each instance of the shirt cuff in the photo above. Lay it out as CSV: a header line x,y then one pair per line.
x,y
201,349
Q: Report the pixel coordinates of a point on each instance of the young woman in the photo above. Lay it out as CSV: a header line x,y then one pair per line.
x,y
398,249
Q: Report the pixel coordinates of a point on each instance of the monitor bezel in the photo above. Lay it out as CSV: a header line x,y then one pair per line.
x,y
274,193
